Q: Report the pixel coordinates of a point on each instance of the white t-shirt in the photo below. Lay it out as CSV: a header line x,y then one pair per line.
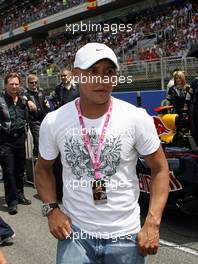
x,y
130,132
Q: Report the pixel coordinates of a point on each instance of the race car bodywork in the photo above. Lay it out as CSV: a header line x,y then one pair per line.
x,y
182,156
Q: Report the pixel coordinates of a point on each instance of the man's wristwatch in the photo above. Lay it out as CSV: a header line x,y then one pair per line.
x,y
48,207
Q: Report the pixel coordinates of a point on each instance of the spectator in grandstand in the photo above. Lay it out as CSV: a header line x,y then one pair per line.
x,y
3,259
49,71
66,91
180,94
13,119
130,58
153,56
173,24
25,13
35,94
95,151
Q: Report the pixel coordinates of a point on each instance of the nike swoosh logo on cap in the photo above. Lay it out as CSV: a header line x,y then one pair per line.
x,y
98,49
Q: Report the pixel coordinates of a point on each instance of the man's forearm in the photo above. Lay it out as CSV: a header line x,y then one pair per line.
x,y
46,185
159,190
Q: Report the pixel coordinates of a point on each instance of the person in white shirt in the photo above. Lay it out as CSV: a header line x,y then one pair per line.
x,y
100,144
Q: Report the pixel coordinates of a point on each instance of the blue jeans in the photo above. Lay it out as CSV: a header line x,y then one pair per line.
x,y
85,250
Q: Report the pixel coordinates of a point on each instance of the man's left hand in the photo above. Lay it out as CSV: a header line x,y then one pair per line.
x,y
148,239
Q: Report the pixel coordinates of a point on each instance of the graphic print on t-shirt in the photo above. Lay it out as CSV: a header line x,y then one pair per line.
x,y
78,158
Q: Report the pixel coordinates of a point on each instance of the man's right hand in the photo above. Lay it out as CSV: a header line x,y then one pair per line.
x,y
32,106
59,224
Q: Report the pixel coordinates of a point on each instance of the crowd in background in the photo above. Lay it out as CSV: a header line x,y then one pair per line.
x,y
26,12
175,31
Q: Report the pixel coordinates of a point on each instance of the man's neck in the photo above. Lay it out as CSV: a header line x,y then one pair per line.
x,y
92,110
33,90
14,97
67,86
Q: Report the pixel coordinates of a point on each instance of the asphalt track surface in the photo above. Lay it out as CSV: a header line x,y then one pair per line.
x,y
34,244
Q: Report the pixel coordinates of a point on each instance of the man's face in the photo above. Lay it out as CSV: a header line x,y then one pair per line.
x,y
96,83
66,77
32,83
12,87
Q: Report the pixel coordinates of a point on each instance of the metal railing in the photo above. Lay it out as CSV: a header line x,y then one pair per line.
x,y
146,72
160,69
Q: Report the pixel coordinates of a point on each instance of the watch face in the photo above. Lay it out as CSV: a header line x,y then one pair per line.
x,y
45,209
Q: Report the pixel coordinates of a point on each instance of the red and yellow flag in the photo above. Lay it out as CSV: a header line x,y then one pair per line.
x,y
91,4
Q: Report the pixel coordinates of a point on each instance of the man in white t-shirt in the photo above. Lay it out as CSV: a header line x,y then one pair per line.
x,y
100,139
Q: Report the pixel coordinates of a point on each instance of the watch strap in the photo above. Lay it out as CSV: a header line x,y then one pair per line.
x,y
53,205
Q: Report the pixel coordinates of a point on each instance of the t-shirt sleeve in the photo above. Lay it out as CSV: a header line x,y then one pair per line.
x,y
147,140
48,148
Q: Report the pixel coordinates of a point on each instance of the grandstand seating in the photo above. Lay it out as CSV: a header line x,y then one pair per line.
x,y
15,16
176,29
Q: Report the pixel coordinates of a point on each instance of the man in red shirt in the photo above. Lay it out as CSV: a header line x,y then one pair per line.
x,y
153,56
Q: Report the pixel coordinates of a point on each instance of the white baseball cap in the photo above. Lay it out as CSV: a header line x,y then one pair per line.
x,y
90,53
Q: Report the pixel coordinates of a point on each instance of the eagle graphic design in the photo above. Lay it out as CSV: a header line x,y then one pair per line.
x,y
77,156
